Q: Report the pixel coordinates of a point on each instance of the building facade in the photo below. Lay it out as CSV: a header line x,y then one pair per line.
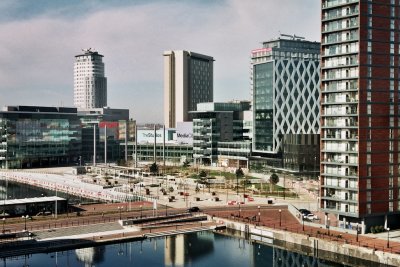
x,y
188,80
33,136
108,128
360,111
218,122
285,84
90,84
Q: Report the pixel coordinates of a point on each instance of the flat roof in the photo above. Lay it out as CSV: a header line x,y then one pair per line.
x,y
30,200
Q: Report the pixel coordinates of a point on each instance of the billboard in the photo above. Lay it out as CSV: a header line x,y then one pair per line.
x,y
184,133
147,136
112,130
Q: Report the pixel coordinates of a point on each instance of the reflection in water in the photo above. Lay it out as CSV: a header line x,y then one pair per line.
x,y
182,249
90,256
196,249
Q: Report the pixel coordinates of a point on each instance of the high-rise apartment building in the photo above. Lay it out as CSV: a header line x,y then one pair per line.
x,y
286,84
188,80
360,92
90,84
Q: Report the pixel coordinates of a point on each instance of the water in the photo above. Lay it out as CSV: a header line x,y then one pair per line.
x,y
196,249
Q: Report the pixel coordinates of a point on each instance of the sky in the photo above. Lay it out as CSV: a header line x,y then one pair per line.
x,y
39,41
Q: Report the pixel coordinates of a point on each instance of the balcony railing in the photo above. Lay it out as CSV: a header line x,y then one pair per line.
x,y
330,4
338,15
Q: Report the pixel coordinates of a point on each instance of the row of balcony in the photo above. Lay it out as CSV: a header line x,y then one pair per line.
x,y
335,88
338,27
337,172
339,125
340,148
331,160
341,186
338,136
339,39
347,112
334,100
340,198
339,52
339,13
349,62
335,3
340,76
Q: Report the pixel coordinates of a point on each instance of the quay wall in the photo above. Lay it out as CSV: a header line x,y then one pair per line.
x,y
314,246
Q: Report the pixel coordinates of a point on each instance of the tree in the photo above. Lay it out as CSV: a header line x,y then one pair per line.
x,y
239,174
121,162
202,174
185,164
154,168
274,179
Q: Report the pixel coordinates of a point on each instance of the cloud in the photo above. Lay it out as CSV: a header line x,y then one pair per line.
x,y
37,54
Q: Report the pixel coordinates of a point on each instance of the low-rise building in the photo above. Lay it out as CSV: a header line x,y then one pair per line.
x,y
35,136
214,123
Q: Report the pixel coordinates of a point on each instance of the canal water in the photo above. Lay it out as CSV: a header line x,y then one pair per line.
x,y
197,249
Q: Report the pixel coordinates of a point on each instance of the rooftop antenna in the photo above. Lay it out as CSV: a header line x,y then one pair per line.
x,y
293,37
88,50
298,37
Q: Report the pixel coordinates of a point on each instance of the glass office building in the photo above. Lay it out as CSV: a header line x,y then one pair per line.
x,y
32,136
286,88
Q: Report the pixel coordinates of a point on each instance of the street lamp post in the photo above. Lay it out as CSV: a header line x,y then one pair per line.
x,y
259,214
25,217
4,222
120,210
237,184
302,220
387,244
329,226
280,218
357,233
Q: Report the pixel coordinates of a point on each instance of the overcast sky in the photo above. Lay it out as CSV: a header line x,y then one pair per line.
x,y
40,38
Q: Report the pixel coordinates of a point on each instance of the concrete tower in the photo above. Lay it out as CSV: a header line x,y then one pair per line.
x,y
90,84
188,80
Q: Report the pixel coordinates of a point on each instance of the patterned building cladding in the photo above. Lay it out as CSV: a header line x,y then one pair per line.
x,y
286,82
360,108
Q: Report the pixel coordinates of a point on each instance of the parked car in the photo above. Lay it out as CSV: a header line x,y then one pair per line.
x,y
304,212
311,217
194,209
